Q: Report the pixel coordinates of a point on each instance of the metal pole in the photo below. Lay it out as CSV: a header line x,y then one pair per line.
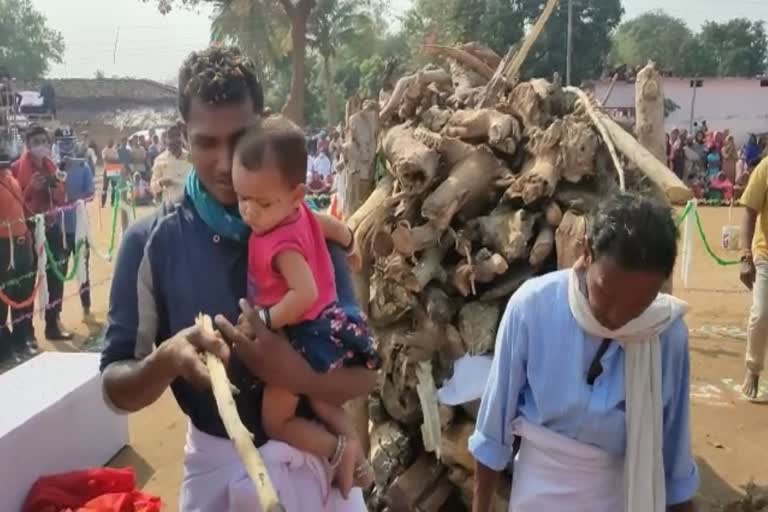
x,y
569,48
693,106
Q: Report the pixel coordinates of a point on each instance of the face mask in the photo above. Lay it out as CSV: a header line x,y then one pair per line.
x,y
40,152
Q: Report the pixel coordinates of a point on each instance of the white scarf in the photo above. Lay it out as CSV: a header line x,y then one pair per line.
x,y
644,489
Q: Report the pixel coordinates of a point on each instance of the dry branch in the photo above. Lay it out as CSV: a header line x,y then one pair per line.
x,y
512,73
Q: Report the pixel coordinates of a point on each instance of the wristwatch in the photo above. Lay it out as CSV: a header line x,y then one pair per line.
x,y
746,257
265,317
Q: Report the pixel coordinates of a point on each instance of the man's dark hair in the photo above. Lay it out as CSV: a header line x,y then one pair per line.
x,y
34,131
638,233
283,141
217,76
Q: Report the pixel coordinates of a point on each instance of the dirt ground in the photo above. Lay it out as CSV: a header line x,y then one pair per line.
x,y
729,434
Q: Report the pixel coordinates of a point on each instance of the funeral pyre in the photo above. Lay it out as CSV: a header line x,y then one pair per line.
x,y
487,183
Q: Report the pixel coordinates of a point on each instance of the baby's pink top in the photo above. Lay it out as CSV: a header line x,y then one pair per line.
x,y
303,234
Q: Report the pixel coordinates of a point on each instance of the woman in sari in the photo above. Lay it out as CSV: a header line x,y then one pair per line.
x,y
594,379
752,152
730,156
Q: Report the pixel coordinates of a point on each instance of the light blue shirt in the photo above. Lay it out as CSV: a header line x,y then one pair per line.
x,y
539,372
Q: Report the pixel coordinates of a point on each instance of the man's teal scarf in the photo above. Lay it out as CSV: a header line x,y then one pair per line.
x,y
225,221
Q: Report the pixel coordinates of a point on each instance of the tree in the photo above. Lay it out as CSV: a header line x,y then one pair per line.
x,y
593,23
655,36
739,46
495,23
260,30
27,45
334,23
297,12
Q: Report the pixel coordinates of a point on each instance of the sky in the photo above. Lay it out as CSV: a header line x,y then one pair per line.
x,y
131,38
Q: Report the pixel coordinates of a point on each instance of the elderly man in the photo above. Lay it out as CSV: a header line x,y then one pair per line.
x,y
191,258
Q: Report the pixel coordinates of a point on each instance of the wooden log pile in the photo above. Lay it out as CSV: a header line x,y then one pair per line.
x,y
487,183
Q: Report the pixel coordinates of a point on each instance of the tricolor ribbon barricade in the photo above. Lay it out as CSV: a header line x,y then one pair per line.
x,y
690,220
45,257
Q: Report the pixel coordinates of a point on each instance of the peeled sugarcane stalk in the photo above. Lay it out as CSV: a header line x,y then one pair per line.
x,y
240,436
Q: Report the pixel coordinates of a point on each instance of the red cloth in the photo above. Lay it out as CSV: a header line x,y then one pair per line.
x,y
39,200
90,490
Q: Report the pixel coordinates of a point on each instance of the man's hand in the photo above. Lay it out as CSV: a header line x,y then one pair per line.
x,y
747,272
266,354
182,355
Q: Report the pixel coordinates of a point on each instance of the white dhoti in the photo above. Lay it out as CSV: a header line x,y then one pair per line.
x,y
215,479
552,470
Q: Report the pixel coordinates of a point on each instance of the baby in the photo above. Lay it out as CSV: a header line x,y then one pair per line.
x,y
291,282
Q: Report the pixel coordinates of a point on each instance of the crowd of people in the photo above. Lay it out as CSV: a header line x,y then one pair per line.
x,y
40,183
322,149
710,162
53,173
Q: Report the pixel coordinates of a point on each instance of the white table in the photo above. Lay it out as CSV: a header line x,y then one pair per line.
x,y
54,419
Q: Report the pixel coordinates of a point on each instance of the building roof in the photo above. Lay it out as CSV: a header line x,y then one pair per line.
x,y
120,89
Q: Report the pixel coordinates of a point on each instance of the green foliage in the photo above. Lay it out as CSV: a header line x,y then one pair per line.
x,y
496,23
260,29
500,24
27,45
593,22
738,47
652,36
